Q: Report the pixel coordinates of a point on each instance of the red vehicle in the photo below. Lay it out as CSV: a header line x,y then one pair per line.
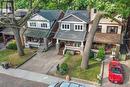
x,y
115,74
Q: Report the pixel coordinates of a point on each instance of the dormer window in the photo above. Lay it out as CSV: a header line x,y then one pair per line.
x,y
65,26
78,27
44,25
95,10
33,24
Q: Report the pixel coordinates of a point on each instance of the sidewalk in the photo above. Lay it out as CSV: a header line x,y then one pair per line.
x,y
37,77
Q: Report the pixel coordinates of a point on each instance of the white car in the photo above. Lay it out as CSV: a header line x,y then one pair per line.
x,y
66,84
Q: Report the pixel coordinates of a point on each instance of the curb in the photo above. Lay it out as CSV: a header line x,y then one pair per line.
x,y
85,81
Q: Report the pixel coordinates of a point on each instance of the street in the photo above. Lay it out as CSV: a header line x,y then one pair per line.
x,y
9,81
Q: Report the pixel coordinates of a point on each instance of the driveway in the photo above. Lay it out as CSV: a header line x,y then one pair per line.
x,y
43,62
107,83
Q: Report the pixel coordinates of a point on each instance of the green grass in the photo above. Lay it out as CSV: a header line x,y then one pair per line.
x,y
88,74
13,57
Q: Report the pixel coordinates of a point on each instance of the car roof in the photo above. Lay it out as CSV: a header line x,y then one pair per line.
x,y
70,84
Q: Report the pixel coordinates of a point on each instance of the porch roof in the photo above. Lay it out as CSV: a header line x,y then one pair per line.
x,y
70,35
107,38
7,31
37,33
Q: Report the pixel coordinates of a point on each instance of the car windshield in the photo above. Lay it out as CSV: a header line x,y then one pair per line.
x,y
116,70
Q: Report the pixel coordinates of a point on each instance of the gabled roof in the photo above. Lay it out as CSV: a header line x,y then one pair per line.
x,y
51,15
81,14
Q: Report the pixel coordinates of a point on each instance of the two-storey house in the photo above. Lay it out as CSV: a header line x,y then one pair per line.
x,y
109,32
72,31
41,28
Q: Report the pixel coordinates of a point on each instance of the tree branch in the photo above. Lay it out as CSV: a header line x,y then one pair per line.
x,y
23,21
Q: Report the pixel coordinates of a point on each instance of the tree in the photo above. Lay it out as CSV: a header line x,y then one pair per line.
x,y
16,25
109,8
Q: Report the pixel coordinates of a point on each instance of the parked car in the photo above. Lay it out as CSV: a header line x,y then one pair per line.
x,y
115,73
66,84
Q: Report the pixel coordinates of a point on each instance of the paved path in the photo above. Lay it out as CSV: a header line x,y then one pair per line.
x,y
107,83
2,46
43,62
9,81
33,76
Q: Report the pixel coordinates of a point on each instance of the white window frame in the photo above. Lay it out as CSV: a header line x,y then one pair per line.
x,y
32,23
44,27
64,25
80,27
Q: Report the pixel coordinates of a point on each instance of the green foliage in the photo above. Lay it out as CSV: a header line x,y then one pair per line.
x,y
11,45
101,53
67,56
91,55
63,69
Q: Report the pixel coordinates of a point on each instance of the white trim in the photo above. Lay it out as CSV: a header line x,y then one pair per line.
x,y
65,24
80,25
72,22
36,14
71,15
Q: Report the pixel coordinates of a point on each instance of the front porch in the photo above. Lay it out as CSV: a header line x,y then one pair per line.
x,y
108,47
62,46
41,43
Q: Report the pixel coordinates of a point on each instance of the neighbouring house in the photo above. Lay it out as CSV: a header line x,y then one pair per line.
x,y
73,28
41,28
109,32
7,33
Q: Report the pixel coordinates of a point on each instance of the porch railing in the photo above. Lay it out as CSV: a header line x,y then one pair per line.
x,y
71,48
35,44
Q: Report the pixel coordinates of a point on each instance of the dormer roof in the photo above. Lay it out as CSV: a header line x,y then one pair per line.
x,y
82,15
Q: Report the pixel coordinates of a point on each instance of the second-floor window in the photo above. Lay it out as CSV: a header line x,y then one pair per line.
x,y
44,25
33,24
112,29
65,26
78,27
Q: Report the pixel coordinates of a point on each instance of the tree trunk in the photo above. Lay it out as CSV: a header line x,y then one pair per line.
x,y
18,41
89,40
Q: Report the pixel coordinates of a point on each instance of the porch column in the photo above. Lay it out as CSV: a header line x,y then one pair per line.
x,y
117,50
82,48
57,45
46,43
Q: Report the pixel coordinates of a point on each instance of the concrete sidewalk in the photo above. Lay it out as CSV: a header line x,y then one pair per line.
x,y
33,76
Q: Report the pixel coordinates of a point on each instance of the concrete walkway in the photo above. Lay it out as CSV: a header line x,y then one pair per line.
x,y
43,62
107,83
33,76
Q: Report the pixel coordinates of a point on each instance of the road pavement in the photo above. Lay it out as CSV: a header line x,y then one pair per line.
x,y
9,81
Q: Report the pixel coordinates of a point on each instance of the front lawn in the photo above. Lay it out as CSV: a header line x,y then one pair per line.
x,y
75,70
13,57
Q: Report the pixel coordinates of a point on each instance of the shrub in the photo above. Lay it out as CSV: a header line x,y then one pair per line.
x,y
101,54
63,69
11,45
91,55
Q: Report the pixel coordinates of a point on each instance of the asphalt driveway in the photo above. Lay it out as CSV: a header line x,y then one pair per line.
x,y
43,62
107,83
